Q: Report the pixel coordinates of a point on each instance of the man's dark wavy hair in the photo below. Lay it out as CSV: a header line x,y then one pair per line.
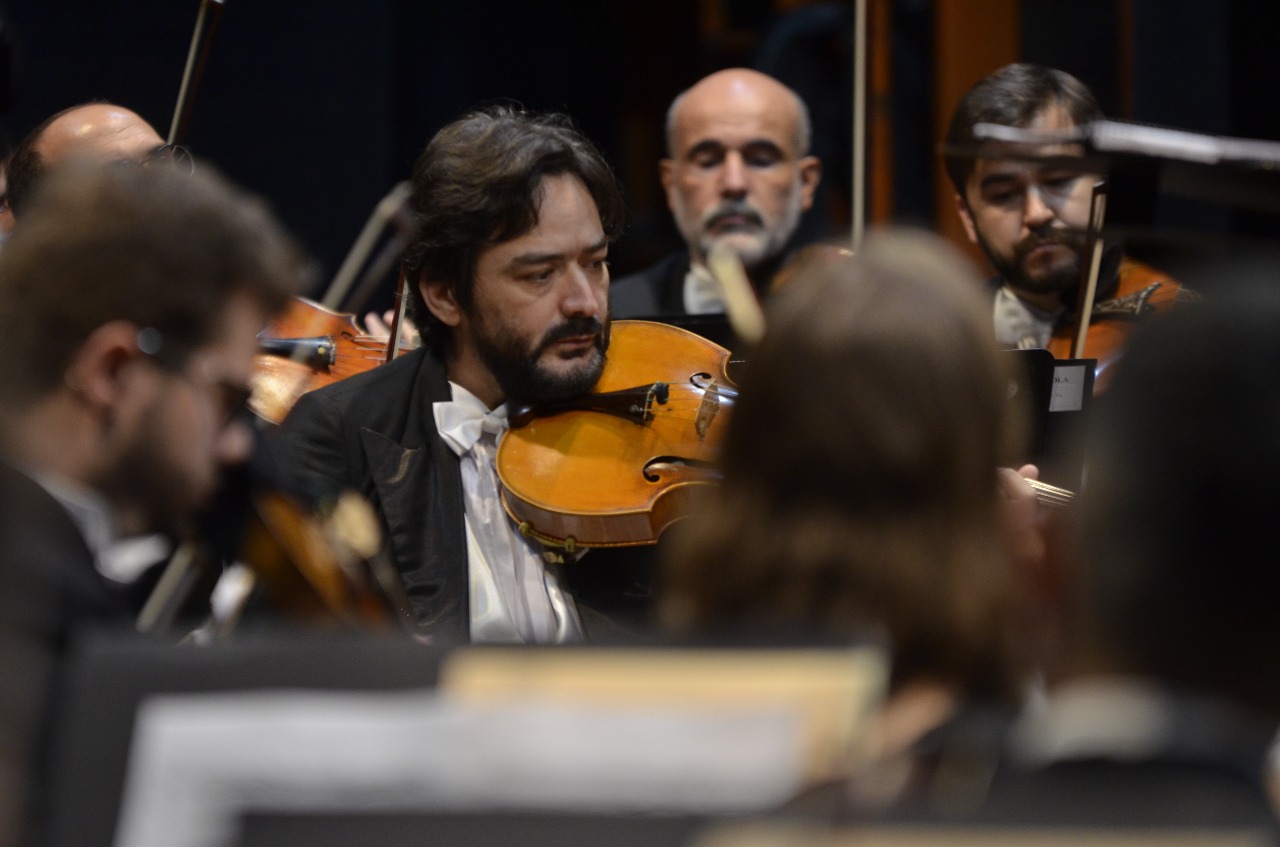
x,y
479,184
1013,96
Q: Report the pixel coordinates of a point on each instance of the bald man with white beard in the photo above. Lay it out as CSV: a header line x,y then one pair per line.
x,y
737,172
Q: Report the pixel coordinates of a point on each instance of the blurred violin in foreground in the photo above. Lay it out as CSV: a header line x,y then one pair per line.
x,y
308,347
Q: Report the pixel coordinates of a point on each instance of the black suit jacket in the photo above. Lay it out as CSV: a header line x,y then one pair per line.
x,y
49,588
656,290
1205,766
375,433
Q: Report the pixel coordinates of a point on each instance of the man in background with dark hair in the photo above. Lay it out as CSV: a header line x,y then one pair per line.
x,y
515,214
1031,219
132,299
737,172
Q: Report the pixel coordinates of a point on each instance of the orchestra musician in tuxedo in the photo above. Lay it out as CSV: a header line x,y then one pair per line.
x,y
515,212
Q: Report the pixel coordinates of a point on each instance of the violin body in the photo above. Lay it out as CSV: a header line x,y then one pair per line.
x,y
618,466
305,348
311,572
1141,291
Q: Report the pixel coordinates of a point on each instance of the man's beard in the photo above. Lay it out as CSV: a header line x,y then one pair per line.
x,y
762,242
519,372
144,481
1055,280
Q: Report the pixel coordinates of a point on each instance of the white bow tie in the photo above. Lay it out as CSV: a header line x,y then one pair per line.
x,y
462,422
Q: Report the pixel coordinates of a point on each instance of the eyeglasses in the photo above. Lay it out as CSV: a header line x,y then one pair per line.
x,y
231,399
172,155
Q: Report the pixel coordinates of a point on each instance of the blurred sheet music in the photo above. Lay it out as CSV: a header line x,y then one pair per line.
x,y
200,761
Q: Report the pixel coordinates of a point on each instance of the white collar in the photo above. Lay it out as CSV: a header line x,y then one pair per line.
x,y
463,420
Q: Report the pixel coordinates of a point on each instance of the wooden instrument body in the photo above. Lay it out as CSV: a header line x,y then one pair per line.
x,y
1141,291
305,348
588,478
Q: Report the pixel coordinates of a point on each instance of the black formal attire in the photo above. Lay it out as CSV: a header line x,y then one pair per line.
x,y
376,433
1177,760
49,586
658,290
653,291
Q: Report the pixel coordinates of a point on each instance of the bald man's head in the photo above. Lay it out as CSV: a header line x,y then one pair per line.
x,y
737,169
752,90
93,130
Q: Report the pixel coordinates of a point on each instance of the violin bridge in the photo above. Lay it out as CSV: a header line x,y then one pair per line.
x,y
707,409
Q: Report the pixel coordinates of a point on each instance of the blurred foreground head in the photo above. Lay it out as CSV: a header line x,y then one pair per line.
x,y
131,299
1179,582
860,490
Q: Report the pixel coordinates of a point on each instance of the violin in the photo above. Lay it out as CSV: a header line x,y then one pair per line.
x,y
617,466
319,567
305,348
1141,291
322,571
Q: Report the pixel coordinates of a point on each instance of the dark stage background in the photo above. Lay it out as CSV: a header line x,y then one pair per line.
x,y
323,106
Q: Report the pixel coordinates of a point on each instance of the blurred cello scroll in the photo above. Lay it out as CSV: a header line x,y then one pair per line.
x,y
617,466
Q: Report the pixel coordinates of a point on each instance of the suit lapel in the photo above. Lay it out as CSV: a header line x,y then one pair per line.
x,y
419,487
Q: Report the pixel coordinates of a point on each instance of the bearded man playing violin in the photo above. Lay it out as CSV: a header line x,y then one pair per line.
x,y
515,214
1031,219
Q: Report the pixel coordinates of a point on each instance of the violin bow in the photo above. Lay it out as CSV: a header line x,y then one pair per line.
x,y
858,204
383,213
397,317
182,572
201,39
740,301
1089,280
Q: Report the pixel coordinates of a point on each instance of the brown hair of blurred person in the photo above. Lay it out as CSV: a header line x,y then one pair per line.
x,y
860,489
124,245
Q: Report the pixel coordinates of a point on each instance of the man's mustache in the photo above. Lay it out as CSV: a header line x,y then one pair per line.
x,y
573,328
1075,239
733,209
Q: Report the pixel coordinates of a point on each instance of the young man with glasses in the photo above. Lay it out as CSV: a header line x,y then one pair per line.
x,y
130,303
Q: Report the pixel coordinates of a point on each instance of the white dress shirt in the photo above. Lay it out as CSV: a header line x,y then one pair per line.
x,y
1021,325
514,597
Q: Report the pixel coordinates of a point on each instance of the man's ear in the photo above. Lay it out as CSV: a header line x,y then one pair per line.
x,y
667,175
966,218
441,301
810,176
98,369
